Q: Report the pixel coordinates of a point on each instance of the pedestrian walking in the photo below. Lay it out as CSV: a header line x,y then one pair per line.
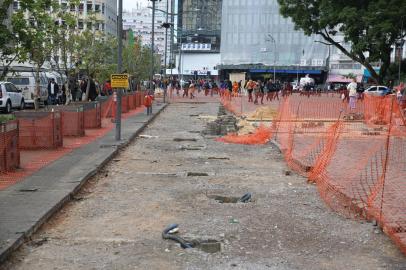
x,y
235,89
192,89
257,91
53,90
352,93
250,88
148,103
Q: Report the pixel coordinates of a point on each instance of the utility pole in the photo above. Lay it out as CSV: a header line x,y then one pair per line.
x,y
153,41
119,67
166,46
172,33
401,43
166,35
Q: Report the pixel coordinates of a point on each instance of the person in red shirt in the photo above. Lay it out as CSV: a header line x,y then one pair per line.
x,y
148,103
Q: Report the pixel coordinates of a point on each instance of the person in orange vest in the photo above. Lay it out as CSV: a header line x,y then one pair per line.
x,y
148,103
236,87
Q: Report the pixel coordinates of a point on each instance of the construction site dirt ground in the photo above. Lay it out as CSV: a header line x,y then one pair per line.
x,y
116,221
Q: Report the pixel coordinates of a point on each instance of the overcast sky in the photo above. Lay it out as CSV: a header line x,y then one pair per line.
x,y
130,4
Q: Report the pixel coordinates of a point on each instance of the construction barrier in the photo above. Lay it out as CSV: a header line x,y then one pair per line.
x,y
73,119
131,101
92,113
40,129
106,104
9,148
124,103
138,99
355,156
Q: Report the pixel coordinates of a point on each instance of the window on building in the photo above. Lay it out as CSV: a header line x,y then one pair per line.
x,y
15,5
80,25
89,25
89,7
102,25
81,7
97,8
72,7
103,8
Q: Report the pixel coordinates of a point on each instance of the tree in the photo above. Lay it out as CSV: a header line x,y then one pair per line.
x,y
97,53
35,28
9,47
137,60
64,39
370,26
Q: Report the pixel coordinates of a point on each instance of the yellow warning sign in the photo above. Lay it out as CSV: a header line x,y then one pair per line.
x,y
119,81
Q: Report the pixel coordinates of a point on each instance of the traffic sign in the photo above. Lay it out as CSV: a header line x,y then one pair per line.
x,y
119,81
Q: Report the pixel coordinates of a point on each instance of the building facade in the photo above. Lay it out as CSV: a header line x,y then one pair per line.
x,y
105,12
198,40
257,40
139,20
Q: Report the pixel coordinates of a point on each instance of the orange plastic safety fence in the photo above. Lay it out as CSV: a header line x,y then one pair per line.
x,y
356,156
39,137
9,148
262,135
40,130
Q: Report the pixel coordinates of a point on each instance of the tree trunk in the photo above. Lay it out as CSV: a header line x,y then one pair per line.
x,y
87,89
37,88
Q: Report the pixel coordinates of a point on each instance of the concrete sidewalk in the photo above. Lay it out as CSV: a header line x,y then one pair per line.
x,y
25,206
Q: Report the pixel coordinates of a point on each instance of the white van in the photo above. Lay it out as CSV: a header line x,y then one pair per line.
x,y
25,81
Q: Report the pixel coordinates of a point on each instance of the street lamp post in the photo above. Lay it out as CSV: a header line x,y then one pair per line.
x,y
271,39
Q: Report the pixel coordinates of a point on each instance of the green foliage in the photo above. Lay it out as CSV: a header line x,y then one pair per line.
x,y
8,45
6,117
35,27
393,72
371,27
97,54
137,60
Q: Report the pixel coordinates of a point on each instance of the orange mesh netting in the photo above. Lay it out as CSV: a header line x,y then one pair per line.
x,y
356,157
39,138
262,135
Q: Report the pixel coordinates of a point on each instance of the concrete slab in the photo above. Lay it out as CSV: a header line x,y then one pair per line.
x,y
25,206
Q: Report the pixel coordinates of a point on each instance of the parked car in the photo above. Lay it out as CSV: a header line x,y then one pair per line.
x,y
10,97
378,90
25,81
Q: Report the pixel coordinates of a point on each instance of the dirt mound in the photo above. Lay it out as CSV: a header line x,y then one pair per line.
x,y
263,113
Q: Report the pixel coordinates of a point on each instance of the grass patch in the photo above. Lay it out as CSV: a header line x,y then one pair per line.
x,y
7,117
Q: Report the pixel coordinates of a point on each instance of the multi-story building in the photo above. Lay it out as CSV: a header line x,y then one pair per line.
x,y
341,67
198,34
105,12
140,21
258,40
